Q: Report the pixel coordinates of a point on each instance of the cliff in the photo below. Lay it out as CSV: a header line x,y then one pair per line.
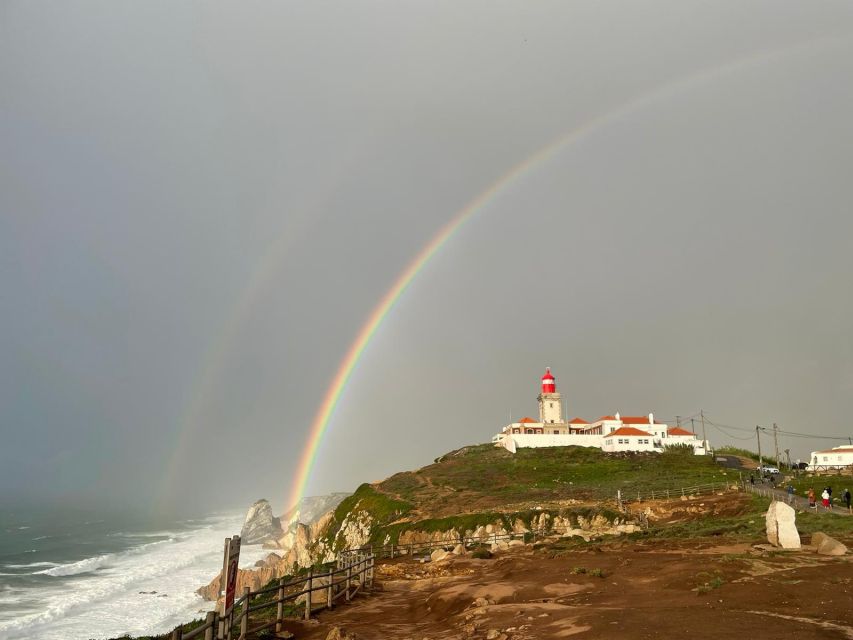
x,y
479,491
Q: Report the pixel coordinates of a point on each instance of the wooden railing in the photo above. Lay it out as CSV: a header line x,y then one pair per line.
x,y
638,495
353,572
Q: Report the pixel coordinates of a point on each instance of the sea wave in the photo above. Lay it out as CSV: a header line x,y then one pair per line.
x,y
76,568
31,565
111,584
88,565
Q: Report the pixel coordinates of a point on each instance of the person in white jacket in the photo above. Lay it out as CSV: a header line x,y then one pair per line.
x,y
825,497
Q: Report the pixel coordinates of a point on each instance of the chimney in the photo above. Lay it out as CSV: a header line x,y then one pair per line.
x,y
617,416
651,418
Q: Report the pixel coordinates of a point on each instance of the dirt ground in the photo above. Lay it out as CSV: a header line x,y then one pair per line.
x,y
652,589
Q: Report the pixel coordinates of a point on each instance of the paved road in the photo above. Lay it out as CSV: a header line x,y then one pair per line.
x,y
799,502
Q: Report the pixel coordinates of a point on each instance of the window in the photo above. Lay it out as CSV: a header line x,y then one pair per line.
x,y
552,405
516,430
556,431
528,431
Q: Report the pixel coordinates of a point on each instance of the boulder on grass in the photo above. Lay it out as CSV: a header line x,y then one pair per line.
x,y
781,526
827,546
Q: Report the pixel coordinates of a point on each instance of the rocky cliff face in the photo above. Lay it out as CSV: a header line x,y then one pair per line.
x,y
260,525
312,508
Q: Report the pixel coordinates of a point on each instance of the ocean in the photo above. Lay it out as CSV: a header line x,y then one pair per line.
x,y
79,576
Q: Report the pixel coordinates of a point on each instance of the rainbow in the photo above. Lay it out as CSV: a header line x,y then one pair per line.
x,y
333,394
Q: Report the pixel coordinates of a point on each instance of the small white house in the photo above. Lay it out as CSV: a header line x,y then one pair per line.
x,y
628,439
834,458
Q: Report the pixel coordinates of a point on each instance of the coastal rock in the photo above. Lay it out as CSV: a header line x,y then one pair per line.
x,y
271,560
438,555
781,526
260,525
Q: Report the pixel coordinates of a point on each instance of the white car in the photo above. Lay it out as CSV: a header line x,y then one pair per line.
x,y
770,470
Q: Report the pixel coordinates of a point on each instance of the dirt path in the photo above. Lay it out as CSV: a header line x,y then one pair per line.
x,y
625,591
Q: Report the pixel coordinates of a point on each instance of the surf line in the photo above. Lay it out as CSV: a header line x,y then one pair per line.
x,y
345,369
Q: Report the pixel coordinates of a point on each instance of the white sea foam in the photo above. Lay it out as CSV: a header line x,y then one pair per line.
x,y
100,596
31,565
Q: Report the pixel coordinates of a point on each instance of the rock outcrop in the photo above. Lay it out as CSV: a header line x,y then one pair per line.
x,y
260,525
827,546
781,526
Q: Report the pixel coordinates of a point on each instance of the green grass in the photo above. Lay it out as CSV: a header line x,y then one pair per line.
x,y
560,472
383,509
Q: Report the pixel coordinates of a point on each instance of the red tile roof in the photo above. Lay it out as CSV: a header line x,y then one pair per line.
x,y
678,431
606,418
528,421
578,421
628,431
637,420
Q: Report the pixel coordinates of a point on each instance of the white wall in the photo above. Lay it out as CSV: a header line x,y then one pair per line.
x,y
831,459
527,441
629,443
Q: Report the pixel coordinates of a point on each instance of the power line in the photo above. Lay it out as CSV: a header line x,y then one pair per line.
x,y
793,434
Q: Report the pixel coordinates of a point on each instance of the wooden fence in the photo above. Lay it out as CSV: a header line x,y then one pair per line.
x,y
353,571
638,495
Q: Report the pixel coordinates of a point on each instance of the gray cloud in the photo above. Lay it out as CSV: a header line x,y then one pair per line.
x,y
200,205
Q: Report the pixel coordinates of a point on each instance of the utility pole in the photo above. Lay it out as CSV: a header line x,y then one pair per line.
x,y
788,456
776,443
677,421
758,437
704,440
692,427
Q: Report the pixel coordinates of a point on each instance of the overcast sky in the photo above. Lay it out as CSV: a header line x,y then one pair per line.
x,y
201,204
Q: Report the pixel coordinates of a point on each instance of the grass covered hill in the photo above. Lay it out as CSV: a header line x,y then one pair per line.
x,y
483,484
488,478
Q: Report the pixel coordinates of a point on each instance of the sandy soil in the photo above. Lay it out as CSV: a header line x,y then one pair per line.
x,y
649,590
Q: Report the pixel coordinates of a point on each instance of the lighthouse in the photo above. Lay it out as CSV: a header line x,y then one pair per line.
x,y
550,403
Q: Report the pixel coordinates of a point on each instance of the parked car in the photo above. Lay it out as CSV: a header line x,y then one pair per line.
x,y
770,470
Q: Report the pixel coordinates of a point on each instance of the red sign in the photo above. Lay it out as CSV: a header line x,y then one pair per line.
x,y
229,571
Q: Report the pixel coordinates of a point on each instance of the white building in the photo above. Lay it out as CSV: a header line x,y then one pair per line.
x,y
834,458
608,433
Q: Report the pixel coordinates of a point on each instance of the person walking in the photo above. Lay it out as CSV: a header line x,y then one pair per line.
x,y
846,497
825,498
812,501
790,493
752,479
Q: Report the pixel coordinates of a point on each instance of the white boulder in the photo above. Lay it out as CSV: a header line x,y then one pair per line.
x,y
781,526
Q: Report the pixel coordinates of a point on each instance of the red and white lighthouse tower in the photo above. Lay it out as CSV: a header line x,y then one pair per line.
x,y
550,403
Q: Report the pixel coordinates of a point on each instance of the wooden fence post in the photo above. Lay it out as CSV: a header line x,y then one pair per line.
x,y
392,550
178,633
279,611
330,603
244,618
310,585
349,580
210,621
